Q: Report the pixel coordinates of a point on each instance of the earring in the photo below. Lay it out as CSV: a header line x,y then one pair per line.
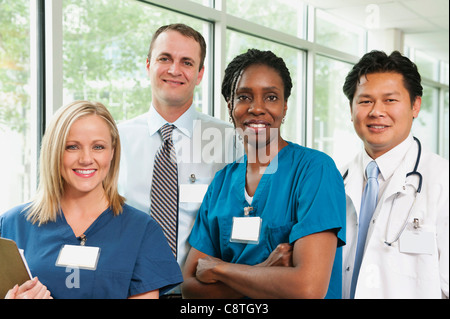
x,y
282,121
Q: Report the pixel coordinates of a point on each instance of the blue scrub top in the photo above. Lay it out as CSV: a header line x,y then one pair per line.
x,y
301,193
134,254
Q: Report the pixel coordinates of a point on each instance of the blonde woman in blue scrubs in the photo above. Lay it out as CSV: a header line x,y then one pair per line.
x,y
271,224
120,251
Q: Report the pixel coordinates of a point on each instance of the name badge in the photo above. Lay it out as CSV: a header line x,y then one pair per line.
x,y
74,256
417,241
192,193
246,230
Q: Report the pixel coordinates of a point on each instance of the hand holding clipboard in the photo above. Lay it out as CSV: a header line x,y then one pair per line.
x,y
13,269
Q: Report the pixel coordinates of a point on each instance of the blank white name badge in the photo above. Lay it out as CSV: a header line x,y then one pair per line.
x,y
192,193
417,241
75,256
246,230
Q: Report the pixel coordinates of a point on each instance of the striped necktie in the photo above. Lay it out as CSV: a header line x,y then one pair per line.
x,y
164,191
368,205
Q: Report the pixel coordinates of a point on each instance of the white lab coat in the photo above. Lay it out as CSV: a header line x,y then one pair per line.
x,y
385,271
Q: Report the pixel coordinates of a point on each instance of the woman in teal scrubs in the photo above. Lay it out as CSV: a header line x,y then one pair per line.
x,y
77,211
271,224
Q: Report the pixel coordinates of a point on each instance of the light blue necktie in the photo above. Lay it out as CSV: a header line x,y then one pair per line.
x,y
368,205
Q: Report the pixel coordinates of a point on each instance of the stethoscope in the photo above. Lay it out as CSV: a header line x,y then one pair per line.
x,y
419,188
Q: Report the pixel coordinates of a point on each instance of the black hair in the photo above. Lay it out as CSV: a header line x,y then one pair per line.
x,y
379,62
252,57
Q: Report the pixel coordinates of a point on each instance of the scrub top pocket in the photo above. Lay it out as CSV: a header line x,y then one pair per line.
x,y
278,235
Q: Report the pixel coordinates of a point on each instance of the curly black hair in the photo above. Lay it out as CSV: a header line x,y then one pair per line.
x,y
252,57
379,62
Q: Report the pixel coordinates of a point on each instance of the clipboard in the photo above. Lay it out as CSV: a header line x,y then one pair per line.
x,y
12,267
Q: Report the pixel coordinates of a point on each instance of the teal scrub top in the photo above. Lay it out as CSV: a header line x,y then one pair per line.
x,y
300,193
134,255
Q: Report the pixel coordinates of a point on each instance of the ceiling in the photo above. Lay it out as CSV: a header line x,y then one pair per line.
x,y
424,22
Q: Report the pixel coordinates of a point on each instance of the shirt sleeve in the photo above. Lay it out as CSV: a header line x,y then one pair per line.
x,y
321,201
156,266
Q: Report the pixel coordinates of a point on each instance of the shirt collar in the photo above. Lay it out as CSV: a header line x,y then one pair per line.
x,y
389,161
185,123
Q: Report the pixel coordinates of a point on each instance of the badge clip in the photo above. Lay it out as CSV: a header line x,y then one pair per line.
x,y
416,223
247,210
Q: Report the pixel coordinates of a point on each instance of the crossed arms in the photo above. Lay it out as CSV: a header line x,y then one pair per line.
x,y
299,271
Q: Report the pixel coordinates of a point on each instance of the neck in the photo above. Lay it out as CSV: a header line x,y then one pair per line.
x,y
260,158
171,113
84,205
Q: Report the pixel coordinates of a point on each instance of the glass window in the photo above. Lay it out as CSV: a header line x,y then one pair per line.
x,y
338,34
428,67
333,131
105,56
444,73
425,126
206,3
283,15
445,138
238,43
17,139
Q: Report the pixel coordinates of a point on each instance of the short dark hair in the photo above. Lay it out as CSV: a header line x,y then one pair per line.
x,y
379,62
185,30
251,57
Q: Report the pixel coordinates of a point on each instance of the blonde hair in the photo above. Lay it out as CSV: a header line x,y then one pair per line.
x,y
46,205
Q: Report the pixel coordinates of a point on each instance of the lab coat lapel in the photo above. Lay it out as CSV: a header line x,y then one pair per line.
x,y
398,180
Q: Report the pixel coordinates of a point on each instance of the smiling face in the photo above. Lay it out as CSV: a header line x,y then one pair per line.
x,y
87,156
382,113
174,70
259,105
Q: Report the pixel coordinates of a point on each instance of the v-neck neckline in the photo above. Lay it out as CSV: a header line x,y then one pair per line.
x,y
67,229
263,182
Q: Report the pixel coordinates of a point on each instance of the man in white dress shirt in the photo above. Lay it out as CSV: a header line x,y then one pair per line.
x,y
203,144
406,251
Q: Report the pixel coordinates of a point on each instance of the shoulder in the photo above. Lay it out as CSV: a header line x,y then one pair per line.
x,y
131,212
134,124
12,218
434,161
137,217
15,212
230,169
226,176
307,156
345,169
210,121
434,166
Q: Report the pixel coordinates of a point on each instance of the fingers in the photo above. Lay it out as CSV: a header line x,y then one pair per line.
x,y
284,247
27,285
283,255
12,293
36,290
41,292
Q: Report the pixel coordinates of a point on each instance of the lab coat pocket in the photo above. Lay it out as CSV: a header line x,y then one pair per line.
x,y
411,264
278,235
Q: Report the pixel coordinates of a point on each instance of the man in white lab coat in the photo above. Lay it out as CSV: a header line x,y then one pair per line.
x,y
405,253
